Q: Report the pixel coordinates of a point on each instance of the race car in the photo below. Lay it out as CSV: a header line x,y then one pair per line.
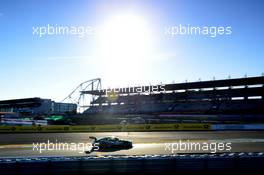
x,y
109,144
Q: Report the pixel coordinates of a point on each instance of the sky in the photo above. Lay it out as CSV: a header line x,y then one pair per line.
x,y
127,42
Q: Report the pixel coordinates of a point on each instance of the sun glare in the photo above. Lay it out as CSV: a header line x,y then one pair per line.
x,y
125,44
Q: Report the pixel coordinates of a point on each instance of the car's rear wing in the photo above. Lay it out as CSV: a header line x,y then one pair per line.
x,y
94,138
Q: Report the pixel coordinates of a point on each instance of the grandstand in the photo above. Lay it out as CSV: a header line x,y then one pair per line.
x,y
36,106
230,97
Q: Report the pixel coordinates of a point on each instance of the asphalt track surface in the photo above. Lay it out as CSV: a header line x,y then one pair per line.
x,y
21,145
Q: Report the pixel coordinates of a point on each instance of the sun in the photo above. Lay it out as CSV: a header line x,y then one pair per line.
x,y
125,45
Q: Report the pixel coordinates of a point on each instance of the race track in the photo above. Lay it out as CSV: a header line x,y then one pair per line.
x,y
18,145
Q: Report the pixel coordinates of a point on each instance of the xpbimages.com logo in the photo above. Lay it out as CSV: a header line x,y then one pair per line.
x,y
62,30
209,31
64,146
134,89
190,146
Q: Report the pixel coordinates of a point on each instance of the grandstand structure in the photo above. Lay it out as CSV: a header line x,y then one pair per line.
x,y
36,106
241,96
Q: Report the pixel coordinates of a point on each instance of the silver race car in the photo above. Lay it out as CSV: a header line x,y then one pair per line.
x,y
109,144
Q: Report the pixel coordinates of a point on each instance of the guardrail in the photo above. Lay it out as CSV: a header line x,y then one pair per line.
x,y
105,128
237,127
130,128
145,164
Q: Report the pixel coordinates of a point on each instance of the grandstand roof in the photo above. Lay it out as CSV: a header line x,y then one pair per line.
x,y
186,86
20,102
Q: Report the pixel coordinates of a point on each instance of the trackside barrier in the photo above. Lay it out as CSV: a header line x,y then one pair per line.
x,y
129,128
105,128
237,127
